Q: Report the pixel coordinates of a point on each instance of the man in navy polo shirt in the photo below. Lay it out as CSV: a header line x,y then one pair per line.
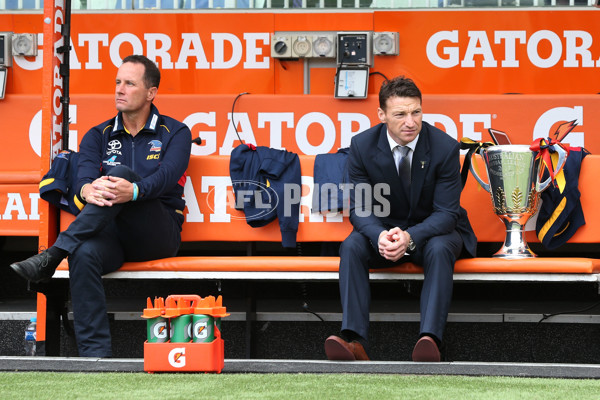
x,y
131,174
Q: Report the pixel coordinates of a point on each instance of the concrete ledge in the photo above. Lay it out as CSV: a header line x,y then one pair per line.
x,y
413,368
62,364
474,317
71,364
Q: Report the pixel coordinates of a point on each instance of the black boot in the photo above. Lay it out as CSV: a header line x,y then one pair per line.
x,y
38,268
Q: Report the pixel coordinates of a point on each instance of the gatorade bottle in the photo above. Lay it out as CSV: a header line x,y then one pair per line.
x,y
157,330
203,328
181,329
30,337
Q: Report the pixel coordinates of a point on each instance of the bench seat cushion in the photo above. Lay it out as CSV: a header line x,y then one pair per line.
x,y
569,265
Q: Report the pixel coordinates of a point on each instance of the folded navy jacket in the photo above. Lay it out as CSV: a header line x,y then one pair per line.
x,y
330,174
267,185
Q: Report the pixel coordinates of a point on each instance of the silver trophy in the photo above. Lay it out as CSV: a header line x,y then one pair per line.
x,y
514,176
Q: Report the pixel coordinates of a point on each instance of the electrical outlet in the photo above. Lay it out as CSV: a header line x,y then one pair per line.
x,y
386,44
324,46
302,46
24,44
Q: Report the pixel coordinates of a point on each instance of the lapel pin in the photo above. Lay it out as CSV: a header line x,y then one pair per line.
x,y
422,164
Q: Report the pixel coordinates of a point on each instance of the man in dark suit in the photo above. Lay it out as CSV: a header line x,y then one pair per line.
x,y
405,206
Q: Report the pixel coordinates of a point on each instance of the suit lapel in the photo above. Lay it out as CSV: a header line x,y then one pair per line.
x,y
420,165
386,158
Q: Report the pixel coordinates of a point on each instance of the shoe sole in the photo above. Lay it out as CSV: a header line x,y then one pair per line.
x,y
337,352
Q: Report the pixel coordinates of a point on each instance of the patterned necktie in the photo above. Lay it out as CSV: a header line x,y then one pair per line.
x,y
404,165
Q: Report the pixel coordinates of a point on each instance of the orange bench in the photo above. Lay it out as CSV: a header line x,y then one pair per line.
x,y
211,217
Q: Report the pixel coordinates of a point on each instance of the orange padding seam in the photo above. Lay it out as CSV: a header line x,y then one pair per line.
x,y
330,264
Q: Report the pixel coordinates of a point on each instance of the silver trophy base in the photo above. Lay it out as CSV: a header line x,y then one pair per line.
x,y
511,253
515,246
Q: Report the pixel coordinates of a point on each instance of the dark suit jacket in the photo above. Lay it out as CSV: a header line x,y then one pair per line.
x,y
433,207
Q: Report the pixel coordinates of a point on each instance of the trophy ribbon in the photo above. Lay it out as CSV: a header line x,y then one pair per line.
x,y
549,151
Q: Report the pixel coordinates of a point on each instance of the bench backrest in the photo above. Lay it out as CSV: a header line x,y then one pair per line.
x,y
211,215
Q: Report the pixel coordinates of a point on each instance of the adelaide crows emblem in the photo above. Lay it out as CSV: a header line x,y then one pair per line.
x,y
155,145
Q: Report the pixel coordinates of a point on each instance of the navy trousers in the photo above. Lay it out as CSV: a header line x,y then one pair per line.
x,y
99,240
437,257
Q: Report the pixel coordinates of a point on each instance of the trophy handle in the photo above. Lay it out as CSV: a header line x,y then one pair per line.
x,y
484,185
562,158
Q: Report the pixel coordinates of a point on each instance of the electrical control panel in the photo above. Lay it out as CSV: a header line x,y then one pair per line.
x,y
354,48
352,82
6,49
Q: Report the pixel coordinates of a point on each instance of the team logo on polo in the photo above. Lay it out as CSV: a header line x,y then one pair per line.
x,y
113,147
155,145
112,161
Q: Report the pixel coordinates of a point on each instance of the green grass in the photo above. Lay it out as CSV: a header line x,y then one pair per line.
x,y
55,385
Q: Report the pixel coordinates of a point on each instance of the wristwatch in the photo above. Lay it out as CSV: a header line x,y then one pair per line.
x,y
411,245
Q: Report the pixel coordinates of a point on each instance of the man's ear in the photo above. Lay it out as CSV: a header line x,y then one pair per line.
x,y
152,93
381,114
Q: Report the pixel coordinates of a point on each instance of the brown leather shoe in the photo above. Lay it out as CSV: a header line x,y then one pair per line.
x,y
426,350
337,349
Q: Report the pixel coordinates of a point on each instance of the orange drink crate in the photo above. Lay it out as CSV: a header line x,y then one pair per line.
x,y
171,346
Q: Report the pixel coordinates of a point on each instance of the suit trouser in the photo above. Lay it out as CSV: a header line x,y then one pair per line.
x,y
99,240
437,257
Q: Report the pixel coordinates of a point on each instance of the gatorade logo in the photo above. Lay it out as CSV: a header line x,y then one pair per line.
x,y
200,330
160,330
177,357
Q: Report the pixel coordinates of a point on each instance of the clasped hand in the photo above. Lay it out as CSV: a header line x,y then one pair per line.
x,y
393,244
108,190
